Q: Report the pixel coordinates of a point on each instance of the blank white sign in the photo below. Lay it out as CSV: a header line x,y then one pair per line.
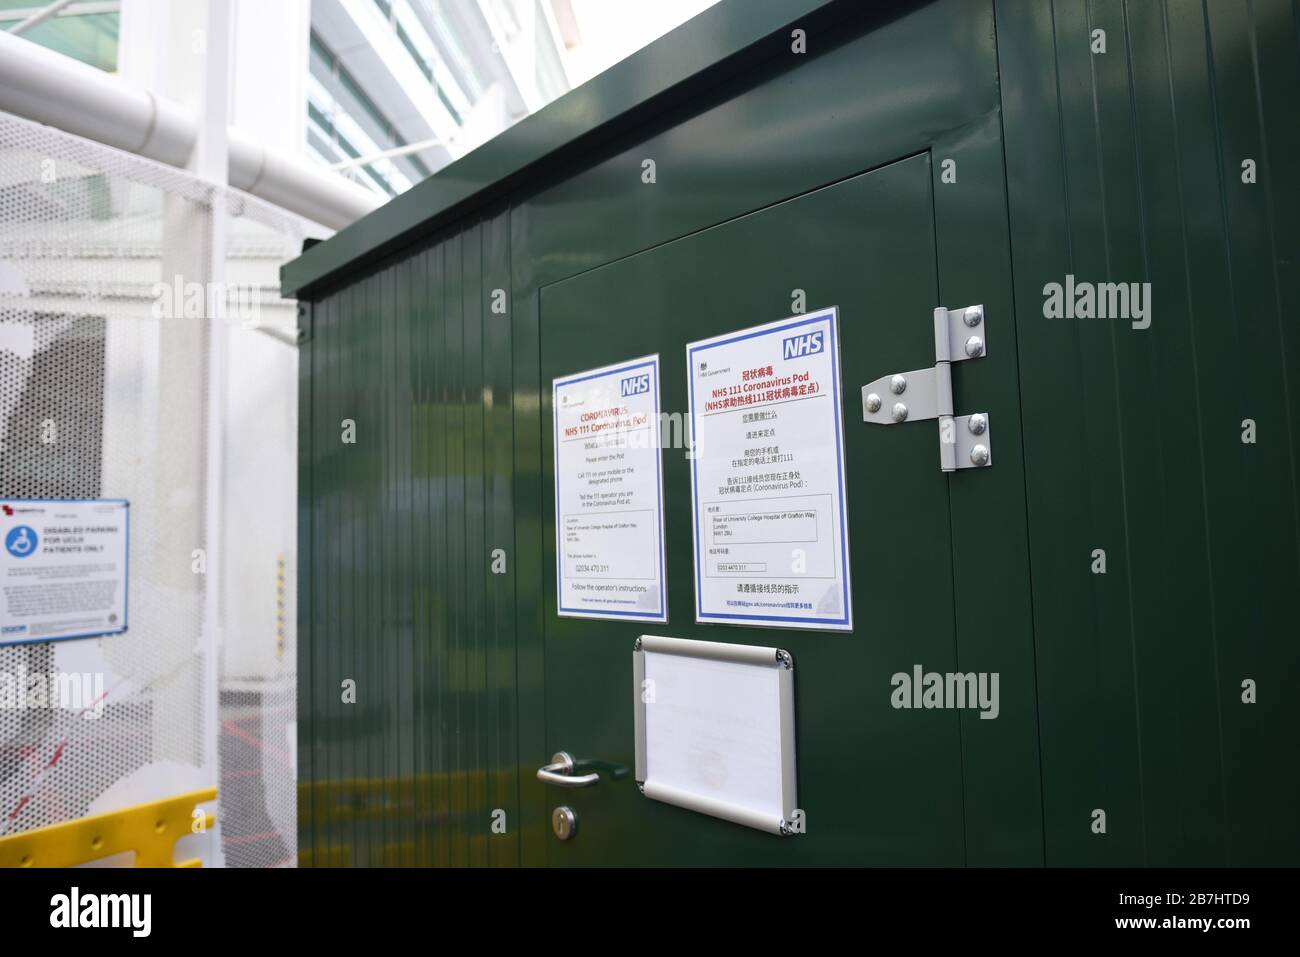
x,y
715,731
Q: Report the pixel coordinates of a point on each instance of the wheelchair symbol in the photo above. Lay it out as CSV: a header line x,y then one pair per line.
x,y
21,541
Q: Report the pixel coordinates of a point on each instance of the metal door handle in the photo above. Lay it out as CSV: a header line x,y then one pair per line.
x,y
560,773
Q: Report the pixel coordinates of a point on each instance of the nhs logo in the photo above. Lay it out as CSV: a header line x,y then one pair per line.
x,y
635,385
807,344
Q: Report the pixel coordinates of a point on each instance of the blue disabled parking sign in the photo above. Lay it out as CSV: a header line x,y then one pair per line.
x,y
21,541
63,569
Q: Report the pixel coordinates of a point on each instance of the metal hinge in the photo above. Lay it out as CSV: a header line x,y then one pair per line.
x,y
964,441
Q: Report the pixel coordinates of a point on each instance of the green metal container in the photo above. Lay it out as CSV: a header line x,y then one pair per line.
x,y
1128,565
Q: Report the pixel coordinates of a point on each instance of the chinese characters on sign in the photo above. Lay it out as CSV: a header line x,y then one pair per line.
x,y
767,477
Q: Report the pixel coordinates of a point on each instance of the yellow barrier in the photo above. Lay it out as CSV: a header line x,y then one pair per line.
x,y
151,830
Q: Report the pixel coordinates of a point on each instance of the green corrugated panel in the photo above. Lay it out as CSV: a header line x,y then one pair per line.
x,y
1126,166
396,563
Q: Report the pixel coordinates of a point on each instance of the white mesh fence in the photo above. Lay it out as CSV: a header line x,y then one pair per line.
x,y
104,388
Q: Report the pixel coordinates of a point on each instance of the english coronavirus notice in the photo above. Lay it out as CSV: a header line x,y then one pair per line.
x,y
609,531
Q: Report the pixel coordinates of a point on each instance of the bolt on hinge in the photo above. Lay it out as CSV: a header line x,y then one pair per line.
x,y
964,441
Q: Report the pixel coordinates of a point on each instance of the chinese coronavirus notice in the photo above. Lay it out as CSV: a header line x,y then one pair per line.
x,y
767,476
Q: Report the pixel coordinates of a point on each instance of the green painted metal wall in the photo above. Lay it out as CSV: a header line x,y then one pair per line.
x,y
1120,167
1127,166
397,593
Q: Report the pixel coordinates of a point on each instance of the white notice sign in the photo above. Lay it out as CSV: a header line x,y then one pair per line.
x,y
715,729
609,533
767,479
63,569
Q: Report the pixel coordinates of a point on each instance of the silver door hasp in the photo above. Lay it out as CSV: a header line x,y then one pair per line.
x,y
964,441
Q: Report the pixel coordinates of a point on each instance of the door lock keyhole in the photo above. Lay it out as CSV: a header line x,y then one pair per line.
x,y
564,822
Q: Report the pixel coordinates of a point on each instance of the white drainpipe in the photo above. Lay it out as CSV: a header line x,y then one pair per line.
x,y
56,90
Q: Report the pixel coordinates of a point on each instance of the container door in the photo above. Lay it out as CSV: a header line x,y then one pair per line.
x,y
877,784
